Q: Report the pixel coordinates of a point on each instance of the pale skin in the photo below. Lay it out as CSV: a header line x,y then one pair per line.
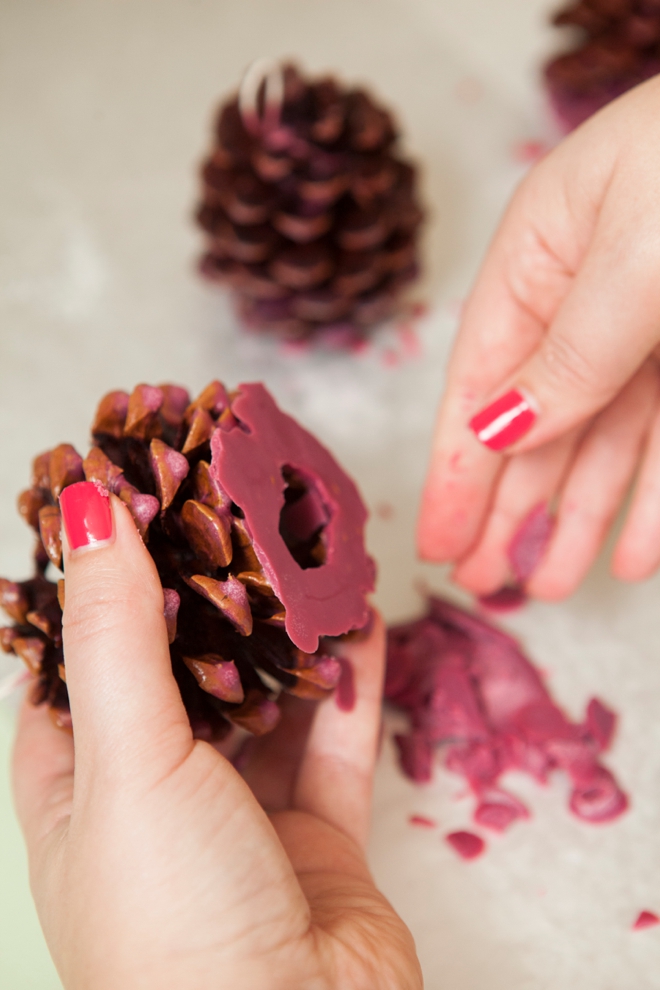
x,y
153,863
566,308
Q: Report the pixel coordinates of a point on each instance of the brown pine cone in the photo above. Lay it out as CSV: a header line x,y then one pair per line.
x,y
257,574
310,214
617,46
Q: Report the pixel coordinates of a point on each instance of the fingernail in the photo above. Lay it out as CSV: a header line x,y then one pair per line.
x,y
86,515
504,421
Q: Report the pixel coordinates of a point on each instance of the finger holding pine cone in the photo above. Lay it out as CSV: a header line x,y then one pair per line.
x,y
310,214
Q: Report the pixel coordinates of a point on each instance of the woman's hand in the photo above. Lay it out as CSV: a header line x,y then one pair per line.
x,y
564,320
153,864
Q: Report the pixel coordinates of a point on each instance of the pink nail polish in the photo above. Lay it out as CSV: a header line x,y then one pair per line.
x,y
86,514
504,421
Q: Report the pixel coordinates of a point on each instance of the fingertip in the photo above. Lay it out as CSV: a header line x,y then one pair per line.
x,y
550,585
628,566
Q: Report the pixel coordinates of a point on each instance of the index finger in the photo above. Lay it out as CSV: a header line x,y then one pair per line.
x,y
527,272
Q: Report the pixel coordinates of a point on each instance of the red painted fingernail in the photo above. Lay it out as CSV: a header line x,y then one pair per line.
x,y
86,514
504,421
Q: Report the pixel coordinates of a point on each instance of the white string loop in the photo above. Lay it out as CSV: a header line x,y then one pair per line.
x,y
269,73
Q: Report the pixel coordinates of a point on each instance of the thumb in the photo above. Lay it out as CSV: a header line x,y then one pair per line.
x,y
125,703
604,330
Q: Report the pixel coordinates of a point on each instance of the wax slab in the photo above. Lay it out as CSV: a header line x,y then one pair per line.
x,y
105,110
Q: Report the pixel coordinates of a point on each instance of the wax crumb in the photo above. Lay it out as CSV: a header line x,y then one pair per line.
x,y
385,510
466,844
499,810
645,919
528,152
345,692
422,821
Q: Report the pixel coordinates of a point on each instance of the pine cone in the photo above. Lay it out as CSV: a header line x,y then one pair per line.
x,y
257,575
311,215
617,47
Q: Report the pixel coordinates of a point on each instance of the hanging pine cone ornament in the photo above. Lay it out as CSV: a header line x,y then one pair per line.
x,y
310,214
255,530
617,46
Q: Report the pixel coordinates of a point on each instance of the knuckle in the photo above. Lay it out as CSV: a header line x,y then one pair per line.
x,y
94,609
565,365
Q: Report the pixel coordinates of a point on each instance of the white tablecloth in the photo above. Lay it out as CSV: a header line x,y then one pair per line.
x,y
104,114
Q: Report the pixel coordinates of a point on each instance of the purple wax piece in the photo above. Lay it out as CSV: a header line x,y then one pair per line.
x,y
250,462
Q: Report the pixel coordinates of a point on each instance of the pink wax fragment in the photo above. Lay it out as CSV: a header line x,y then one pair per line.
x,y
422,821
498,810
345,691
530,541
505,599
528,152
645,919
325,600
451,710
598,798
415,756
466,844
600,724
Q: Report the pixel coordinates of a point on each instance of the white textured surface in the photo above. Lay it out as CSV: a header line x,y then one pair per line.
x,y
104,113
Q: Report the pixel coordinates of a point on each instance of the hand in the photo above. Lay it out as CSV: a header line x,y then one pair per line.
x,y
565,310
153,864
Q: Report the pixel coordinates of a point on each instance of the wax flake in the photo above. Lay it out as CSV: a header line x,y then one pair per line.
x,y
645,919
466,844
471,693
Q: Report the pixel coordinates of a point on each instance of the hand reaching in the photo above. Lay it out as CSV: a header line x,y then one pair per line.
x,y
153,864
561,334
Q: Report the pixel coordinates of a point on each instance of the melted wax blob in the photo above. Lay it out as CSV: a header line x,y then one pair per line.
x,y
468,686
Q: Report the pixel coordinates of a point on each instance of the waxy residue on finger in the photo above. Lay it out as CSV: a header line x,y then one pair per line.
x,y
345,690
525,552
